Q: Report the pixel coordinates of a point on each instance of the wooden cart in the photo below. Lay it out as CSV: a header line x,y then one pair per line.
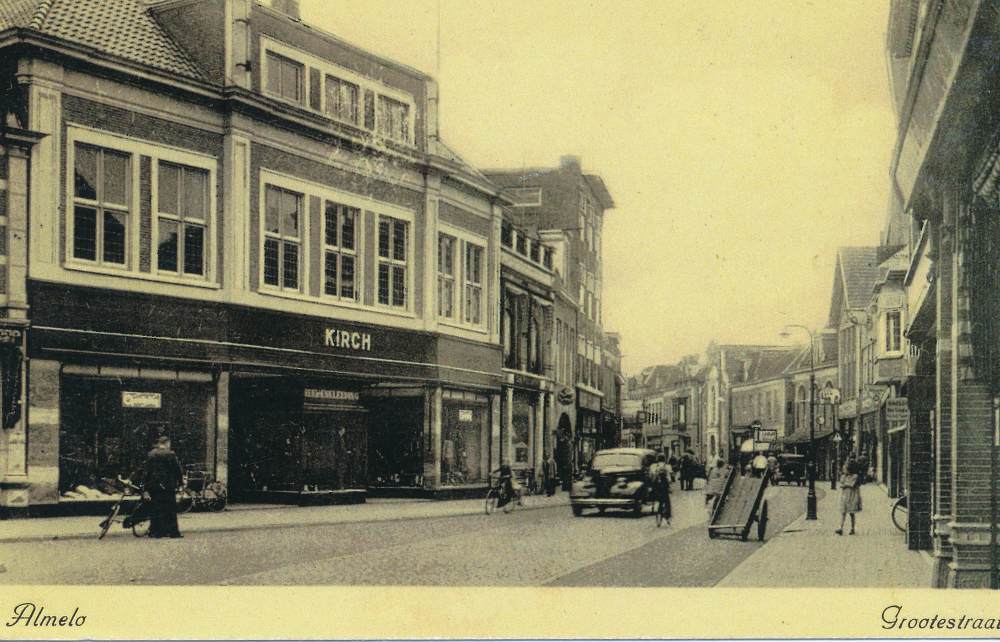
x,y
741,503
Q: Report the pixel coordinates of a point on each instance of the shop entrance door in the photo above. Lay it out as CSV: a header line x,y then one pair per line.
x,y
395,442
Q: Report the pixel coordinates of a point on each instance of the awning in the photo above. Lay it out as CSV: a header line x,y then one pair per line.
x,y
803,437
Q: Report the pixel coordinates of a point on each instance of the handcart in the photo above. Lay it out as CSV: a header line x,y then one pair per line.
x,y
741,504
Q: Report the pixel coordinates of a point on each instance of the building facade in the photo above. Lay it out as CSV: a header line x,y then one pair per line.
x,y
244,233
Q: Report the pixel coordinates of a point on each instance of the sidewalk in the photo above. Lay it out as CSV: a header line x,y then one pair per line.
x,y
256,516
810,554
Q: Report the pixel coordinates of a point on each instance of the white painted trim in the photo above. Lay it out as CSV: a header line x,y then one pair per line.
x,y
211,250
326,67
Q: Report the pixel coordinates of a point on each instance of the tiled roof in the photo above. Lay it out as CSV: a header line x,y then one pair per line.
x,y
16,13
122,28
859,266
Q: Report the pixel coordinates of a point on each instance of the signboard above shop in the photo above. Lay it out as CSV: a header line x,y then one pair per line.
x,y
141,399
897,409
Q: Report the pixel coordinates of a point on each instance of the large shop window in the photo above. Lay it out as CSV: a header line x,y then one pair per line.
x,y
341,251
101,212
109,425
464,442
393,241
182,220
282,238
522,424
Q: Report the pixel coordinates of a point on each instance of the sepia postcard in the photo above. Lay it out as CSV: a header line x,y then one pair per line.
x,y
409,319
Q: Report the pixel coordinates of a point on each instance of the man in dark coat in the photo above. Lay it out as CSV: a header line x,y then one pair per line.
x,y
161,479
549,475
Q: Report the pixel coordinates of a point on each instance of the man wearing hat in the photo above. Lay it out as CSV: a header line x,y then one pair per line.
x,y
163,476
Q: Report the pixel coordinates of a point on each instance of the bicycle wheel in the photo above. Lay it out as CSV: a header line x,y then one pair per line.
x,y
185,501
215,497
140,528
492,498
900,513
106,524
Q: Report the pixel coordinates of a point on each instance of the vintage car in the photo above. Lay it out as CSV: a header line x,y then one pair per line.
x,y
791,469
615,478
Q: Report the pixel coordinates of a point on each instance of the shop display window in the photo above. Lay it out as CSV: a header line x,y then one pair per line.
x,y
464,443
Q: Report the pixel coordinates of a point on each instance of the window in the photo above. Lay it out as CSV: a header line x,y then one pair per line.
x,y
340,250
101,213
893,327
446,275
473,284
282,238
342,100
182,220
284,78
393,119
392,261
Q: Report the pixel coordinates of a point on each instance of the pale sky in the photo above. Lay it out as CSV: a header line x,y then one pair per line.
x,y
742,142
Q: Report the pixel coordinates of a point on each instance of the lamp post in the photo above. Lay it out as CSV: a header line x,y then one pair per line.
x,y
811,497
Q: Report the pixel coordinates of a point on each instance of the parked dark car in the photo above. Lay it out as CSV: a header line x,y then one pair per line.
x,y
615,478
791,469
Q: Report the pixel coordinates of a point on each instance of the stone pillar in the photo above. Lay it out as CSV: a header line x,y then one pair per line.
x,y
507,438
495,432
432,424
539,436
945,401
43,427
919,434
222,429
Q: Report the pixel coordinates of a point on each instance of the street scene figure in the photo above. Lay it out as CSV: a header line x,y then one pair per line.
x,y
550,475
161,478
850,498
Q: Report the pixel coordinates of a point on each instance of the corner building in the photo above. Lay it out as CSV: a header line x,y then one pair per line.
x,y
223,224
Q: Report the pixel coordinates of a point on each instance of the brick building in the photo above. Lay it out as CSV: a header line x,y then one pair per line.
x,y
944,72
229,226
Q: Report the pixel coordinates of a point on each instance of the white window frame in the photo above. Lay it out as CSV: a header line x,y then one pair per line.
x,y
302,240
325,68
211,250
464,239
884,333
340,251
136,148
408,263
444,277
303,88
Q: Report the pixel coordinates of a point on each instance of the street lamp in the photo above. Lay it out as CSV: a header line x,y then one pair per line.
x,y
811,497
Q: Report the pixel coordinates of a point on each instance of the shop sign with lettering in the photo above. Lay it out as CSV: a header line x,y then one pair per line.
x,y
464,415
140,399
360,341
896,409
331,395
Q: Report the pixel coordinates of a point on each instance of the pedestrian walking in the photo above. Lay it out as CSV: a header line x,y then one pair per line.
x,y
161,479
850,495
715,483
759,465
549,475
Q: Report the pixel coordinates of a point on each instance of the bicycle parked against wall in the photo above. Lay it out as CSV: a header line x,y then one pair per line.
x,y
201,491
900,513
131,509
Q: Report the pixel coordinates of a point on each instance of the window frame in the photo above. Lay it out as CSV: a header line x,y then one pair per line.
x,y
326,249
463,241
136,148
101,207
309,62
303,241
898,332
209,253
407,263
283,60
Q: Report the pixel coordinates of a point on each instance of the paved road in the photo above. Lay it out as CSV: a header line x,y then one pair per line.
x,y
524,548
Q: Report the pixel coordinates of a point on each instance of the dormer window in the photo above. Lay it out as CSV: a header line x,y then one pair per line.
x,y
285,78
338,93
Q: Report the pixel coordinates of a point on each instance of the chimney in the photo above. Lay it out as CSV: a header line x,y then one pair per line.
x,y
570,161
288,7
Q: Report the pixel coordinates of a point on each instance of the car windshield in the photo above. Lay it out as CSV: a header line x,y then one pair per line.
x,y
608,460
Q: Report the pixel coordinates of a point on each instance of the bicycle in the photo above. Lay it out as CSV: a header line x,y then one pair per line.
x,y
497,497
201,490
662,511
900,513
131,513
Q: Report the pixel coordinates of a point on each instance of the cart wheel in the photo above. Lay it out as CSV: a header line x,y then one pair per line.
x,y
762,521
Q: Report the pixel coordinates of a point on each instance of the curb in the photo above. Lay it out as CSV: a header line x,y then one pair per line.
x,y
229,528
